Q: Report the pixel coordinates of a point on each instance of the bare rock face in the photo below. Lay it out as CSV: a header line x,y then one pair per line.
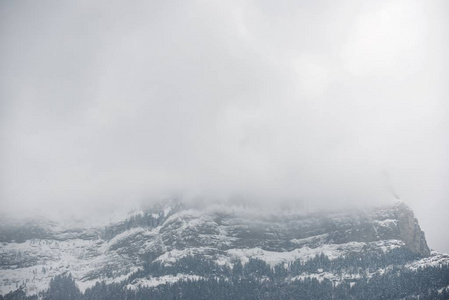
x,y
409,230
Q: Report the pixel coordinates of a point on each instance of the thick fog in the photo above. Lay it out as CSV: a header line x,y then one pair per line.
x,y
106,104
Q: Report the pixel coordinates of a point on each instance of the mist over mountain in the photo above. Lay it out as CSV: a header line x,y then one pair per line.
x,y
229,251
106,104
287,132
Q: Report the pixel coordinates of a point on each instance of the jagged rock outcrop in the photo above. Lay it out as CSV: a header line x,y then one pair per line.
x,y
410,231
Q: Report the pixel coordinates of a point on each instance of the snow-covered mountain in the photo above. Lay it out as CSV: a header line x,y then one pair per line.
x,y
175,243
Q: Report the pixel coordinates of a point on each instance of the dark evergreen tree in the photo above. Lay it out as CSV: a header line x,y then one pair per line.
x,y
258,280
63,287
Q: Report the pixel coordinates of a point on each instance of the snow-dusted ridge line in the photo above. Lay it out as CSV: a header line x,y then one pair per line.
x,y
228,257
81,258
222,234
155,281
436,259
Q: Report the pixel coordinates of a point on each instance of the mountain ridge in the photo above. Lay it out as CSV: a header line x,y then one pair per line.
x,y
173,232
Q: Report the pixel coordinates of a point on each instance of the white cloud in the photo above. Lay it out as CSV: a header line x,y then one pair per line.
x,y
105,103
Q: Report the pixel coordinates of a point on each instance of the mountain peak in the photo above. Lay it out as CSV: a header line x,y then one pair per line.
x,y
168,234
410,231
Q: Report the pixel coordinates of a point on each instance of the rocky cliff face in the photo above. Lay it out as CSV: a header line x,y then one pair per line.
x,y
169,233
409,230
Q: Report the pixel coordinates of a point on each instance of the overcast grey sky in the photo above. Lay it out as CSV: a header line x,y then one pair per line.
x,y
106,103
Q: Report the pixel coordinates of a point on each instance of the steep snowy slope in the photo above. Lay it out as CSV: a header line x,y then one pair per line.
x,y
32,254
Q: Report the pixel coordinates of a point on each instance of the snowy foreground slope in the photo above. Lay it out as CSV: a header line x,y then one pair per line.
x,y
173,243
